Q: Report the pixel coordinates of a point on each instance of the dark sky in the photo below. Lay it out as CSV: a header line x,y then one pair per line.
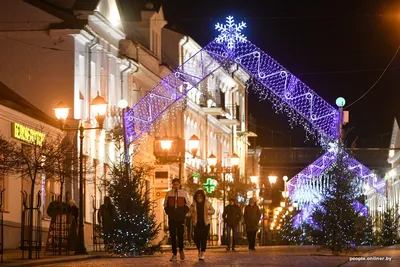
x,y
338,48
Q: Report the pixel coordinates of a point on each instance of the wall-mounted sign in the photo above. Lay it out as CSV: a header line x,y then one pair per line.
x,y
26,134
210,185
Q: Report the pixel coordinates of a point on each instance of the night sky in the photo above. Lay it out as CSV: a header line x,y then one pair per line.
x,y
337,48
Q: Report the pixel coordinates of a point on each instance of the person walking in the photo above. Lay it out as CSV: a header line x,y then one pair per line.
x,y
231,216
105,217
251,218
176,205
73,210
201,211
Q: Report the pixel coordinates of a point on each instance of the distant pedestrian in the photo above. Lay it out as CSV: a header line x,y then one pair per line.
x,y
231,216
201,211
251,219
105,217
72,209
176,205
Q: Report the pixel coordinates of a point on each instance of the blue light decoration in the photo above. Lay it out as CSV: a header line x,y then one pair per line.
x,y
304,216
230,33
231,49
287,92
309,185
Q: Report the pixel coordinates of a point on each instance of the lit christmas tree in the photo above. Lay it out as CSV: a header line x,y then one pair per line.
x,y
368,232
335,218
390,224
134,223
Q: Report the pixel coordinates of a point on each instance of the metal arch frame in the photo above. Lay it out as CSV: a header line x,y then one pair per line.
x,y
231,47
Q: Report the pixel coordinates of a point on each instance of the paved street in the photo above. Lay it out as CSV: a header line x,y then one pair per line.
x,y
384,257
271,256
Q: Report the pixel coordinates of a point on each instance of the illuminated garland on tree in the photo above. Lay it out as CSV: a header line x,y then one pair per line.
x,y
388,234
335,217
134,223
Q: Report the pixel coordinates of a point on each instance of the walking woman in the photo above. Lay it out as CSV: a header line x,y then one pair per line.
x,y
201,211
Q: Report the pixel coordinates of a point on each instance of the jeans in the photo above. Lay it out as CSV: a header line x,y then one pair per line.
x,y
200,235
176,229
230,228
251,237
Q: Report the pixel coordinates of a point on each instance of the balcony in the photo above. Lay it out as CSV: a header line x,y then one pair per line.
x,y
231,116
211,103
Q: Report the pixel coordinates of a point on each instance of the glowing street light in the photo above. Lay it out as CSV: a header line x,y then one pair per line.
x,y
235,160
99,105
166,143
193,143
212,160
272,179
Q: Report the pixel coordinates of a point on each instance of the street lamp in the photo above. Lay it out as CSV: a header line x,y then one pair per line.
x,y
166,143
234,160
272,179
212,161
99,105
194,141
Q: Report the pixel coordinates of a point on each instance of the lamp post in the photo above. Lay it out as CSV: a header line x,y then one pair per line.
x,y
272,179
212,161
61,112
193,144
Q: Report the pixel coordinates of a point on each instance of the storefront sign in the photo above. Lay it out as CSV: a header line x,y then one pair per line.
x,y
26,134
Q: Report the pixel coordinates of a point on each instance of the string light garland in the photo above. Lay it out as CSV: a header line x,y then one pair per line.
x,y
270,81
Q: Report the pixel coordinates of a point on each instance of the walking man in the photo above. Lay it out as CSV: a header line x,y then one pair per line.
x,y
231,216
176,205
251,218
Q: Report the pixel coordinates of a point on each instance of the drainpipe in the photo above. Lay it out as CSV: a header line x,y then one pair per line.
x,y
187,41
122,79
94,43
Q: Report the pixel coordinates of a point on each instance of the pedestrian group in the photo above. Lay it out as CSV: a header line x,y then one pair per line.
x,y
179,210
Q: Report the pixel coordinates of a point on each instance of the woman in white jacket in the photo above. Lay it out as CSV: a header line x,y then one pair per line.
x,y
201,211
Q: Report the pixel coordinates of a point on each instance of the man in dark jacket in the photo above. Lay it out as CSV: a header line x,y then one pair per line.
x,y
176,205
231,216
251,218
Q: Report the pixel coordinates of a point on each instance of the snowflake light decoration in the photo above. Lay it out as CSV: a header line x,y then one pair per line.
x,y
230,33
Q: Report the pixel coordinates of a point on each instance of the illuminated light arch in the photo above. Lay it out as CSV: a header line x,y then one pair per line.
x,y
269,80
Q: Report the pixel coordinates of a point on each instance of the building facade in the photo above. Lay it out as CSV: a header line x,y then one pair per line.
x,y
19,122
393,175
215,111
68,51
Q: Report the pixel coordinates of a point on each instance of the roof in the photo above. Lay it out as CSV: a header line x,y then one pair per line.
x,y
12,100
67,10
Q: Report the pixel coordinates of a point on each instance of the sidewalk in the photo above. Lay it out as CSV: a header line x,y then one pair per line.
x,y
13,257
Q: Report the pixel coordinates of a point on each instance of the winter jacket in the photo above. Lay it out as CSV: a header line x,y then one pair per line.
x,y
208,211
232,215
251,217
176,205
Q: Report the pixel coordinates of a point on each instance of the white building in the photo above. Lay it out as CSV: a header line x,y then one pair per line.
x,y
393,176
17,112
67,51
216,112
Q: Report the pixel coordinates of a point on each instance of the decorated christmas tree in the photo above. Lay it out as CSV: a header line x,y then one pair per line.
x,y
390,224
368,232
288,232
335,218
134,223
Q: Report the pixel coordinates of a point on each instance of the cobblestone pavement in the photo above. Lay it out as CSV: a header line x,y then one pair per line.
x,y
384,257
219,257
